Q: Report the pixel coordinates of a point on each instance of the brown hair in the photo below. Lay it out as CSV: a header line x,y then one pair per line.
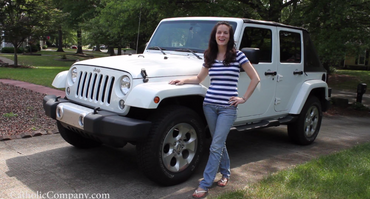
x,y
211,53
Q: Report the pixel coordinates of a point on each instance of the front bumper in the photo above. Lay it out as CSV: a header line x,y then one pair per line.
x,y
102,124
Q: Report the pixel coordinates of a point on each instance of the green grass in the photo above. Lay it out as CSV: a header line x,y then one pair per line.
x,y
46,66
342,175
41,75
350,83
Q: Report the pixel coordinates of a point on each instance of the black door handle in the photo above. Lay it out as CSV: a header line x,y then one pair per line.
x,y
298,73
271,73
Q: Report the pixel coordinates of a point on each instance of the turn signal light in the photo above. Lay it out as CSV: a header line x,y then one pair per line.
x,y
156,100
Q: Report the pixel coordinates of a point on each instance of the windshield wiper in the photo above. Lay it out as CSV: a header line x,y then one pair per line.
x,y
157,48
188,50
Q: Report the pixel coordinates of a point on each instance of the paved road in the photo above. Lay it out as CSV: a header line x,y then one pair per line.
x,y
47,164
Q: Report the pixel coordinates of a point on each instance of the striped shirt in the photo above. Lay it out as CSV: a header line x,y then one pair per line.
x,y
224,80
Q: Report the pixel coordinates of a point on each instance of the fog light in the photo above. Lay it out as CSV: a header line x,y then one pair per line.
x,y
59,112
81,120
68,90
122,104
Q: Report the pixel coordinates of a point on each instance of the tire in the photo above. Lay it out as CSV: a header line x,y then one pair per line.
x,y
75,139
306,128
174,147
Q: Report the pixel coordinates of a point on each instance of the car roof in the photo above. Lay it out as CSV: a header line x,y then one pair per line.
x,y
245,20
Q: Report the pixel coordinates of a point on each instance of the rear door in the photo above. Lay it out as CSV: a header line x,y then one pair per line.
x,y
290,67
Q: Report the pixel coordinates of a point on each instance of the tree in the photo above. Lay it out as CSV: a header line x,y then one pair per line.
x,y
21,19
337,27
79,12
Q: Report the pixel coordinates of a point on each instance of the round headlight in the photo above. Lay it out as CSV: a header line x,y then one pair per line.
x,y
74,75
125,84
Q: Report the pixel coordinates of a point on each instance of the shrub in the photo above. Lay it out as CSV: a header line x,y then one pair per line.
x,y
11,50
32,48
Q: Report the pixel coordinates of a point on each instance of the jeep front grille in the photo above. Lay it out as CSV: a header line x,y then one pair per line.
x,y
94,86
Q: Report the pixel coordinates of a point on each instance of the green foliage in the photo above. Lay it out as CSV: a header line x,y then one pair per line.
x,y
21,20
11,50
337,27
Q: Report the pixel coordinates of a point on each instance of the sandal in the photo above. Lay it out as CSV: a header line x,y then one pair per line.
x,y
199,193
223,182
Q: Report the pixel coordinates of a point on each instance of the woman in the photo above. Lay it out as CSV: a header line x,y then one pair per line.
x,y
222,64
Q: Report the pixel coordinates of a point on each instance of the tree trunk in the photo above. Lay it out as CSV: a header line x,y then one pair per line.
x,y
97,48
15,57
60,40
111,51
79,41
119,51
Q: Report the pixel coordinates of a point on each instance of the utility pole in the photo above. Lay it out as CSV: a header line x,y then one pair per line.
x,y
138,31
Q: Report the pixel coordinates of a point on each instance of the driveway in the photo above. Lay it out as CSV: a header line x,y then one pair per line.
x,y
47,165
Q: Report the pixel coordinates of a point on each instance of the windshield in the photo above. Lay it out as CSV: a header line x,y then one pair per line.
x,y
183,35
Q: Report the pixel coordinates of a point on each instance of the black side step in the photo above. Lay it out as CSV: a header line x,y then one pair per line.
x,y
266,123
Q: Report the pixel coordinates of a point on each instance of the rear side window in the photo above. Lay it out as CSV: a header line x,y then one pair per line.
x,y
290,47
258,38
311,61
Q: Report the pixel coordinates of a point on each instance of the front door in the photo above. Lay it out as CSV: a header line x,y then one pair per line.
x,y
262,100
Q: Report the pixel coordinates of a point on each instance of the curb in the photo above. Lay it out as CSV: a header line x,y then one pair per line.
x,y
27,135
34,87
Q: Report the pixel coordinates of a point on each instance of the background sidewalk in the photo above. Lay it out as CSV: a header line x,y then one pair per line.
x,y
34,87
6,60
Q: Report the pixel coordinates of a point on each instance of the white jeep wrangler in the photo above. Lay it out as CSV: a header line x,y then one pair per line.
x,y
127,99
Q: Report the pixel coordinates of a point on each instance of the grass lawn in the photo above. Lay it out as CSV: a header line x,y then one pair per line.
x,y
342,175
353,78
47,66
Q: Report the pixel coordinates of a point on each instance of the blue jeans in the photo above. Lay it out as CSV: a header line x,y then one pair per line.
x,y
220,119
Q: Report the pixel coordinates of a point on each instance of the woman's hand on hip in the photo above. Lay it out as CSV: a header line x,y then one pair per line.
x,y
235,101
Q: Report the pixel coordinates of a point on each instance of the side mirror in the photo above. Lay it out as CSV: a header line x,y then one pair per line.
x,y
253,54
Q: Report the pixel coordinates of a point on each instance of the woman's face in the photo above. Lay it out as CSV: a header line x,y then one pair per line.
x,y
222,35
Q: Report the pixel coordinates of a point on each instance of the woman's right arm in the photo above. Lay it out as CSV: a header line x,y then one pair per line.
x,y
192,80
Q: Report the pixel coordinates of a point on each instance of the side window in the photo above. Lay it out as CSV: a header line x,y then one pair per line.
x,y
258,38
290,47
311,61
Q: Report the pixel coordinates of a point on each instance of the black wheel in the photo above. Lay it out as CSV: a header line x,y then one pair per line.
x,y
174,146
305,130
75,139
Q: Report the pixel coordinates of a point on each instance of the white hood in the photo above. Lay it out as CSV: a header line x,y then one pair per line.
x,y
156,65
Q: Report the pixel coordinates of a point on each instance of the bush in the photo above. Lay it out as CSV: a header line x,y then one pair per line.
x,y
32,48
11,50
44,47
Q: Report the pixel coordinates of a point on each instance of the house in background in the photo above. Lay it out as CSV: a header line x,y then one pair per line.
x,y
359,62
3,43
